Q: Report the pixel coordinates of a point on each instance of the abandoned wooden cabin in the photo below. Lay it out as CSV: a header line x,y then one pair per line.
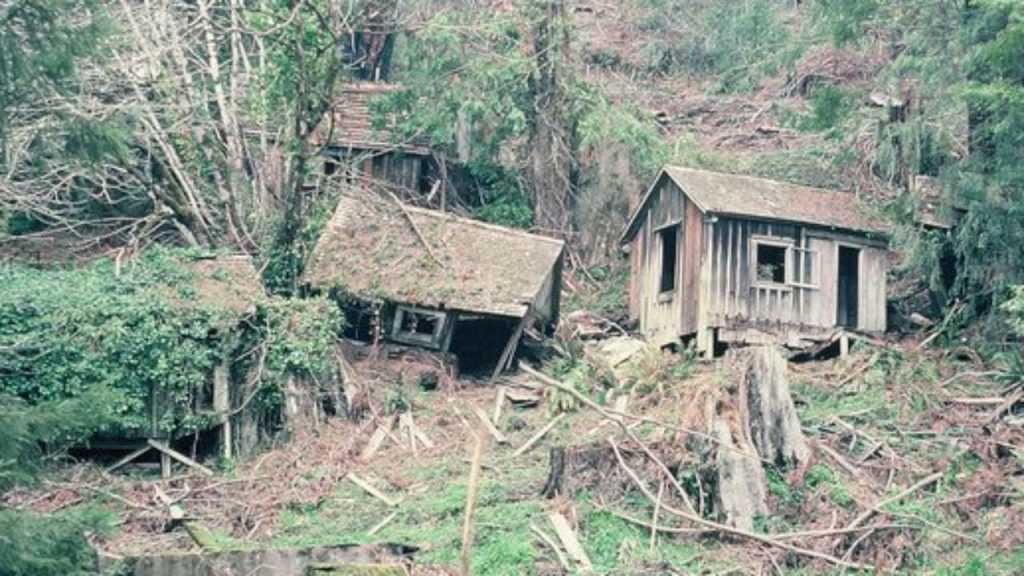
x,y
356,150
719,258
435,280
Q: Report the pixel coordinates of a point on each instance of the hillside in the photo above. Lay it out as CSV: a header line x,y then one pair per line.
x,y
238,240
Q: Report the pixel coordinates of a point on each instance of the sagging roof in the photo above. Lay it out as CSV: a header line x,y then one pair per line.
x,y
377,249
227,282
759,198
353,122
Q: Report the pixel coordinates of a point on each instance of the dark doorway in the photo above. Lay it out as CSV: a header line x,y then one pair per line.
x,y
478,342
847,293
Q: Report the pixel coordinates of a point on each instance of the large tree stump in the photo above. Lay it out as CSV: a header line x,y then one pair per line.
x,y
774,426
748,421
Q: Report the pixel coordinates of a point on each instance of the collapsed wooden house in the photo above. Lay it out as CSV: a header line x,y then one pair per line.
x,y
436,280
230,286
719,258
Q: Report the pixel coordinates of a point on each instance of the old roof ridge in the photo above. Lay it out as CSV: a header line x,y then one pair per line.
x,y
848,210
480,223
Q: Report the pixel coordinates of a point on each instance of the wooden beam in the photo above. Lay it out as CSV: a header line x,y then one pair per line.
x,y
377,439
171,453
570,541
369,489
540,434
135,454
501,438
513,343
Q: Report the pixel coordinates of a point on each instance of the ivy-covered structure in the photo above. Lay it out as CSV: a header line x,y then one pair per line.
x,y
437,280
167,347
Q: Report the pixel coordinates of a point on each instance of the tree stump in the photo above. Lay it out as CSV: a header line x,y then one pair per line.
x,y
749,421
774,426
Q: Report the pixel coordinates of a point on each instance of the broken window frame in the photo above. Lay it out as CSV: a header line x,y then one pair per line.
x,y
787,245
430,340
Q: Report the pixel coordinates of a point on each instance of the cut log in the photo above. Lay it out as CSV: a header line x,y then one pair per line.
x,y
556,473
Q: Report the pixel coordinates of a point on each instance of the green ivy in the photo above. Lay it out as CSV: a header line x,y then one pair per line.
x,y
73,333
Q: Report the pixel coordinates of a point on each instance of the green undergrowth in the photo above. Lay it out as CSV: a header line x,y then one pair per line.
x,y
898,397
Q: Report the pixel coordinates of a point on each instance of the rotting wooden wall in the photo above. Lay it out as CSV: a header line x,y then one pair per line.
x,y
547,305
406,171
737,299
664,317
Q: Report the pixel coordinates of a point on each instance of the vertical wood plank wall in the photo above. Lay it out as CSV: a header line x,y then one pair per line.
x,y
735,295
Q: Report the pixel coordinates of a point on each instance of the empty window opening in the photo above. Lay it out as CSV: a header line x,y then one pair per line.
x,y
847,288
478,342
420,323
771,263
669,238
415,326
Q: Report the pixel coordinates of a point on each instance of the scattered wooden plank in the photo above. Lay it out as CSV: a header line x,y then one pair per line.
x,y
540,434
380,525
405,427
377,439
135,454
522,398
418,432
570,541
501,438
179,456
498,402
508,354
550,542
369,489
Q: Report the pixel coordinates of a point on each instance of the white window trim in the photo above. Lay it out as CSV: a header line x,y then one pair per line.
x,y
779,242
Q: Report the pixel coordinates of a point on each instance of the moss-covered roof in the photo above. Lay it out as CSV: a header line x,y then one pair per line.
x,y
372,249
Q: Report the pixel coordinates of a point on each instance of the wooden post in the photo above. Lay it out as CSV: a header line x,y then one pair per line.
x,y
509,352
473,489
165,465
222,405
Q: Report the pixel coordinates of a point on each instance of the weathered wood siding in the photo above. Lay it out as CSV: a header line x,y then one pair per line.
x,y
664,317
809,298
872,289
547,305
